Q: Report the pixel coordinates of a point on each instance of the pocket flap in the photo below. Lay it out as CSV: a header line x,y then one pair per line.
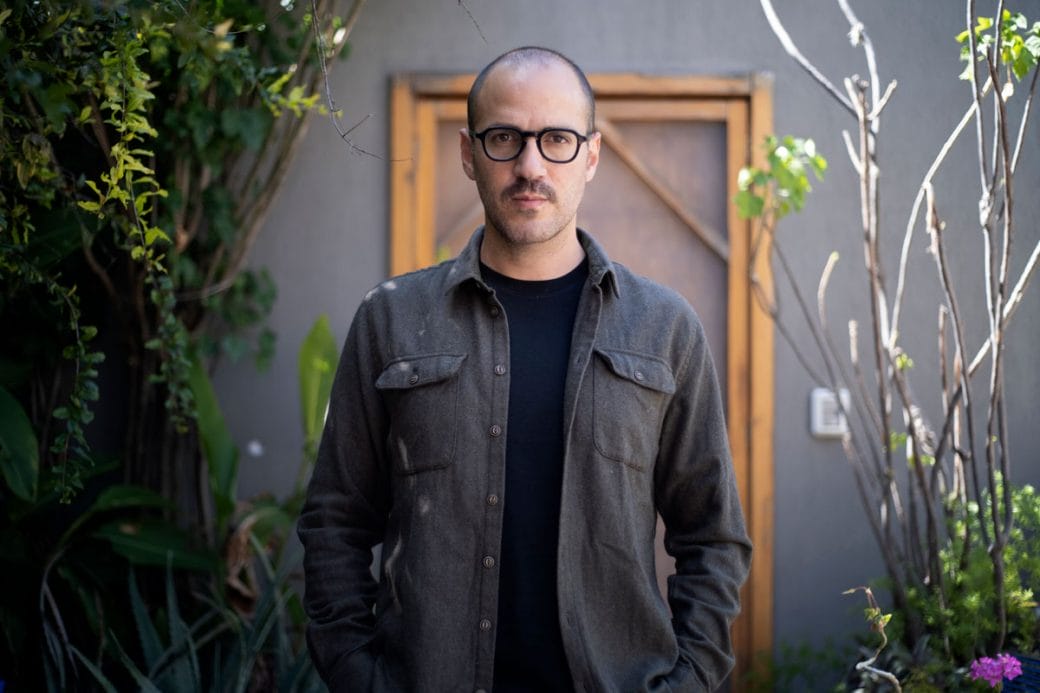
x,y
647,371
416,371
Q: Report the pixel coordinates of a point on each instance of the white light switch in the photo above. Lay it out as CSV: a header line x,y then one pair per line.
x,y
825,417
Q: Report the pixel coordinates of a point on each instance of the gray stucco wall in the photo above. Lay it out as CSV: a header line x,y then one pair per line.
x,y
325,241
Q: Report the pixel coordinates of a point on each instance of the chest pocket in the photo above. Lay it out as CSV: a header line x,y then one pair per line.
x,y
422,395
631,392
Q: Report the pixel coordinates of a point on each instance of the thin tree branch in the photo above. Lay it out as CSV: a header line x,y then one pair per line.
x,y
785,40
1026,110
944,151
859,37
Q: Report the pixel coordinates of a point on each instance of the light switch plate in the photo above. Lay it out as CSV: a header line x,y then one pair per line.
x,y
825,416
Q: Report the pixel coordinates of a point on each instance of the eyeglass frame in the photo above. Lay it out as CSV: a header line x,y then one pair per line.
x,y
524,135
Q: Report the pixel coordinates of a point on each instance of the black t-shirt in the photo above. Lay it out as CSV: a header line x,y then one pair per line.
x,y
529,652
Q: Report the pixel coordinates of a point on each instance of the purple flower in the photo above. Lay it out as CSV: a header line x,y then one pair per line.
x,y
1011,667
993,671
988,669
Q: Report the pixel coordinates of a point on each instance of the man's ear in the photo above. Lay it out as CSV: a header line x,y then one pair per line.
x,y
595,139
466,152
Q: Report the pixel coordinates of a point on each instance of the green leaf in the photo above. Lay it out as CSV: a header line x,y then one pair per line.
x,y
144,684
99,677
270,519
19,453
151,645
155,234
251,125
1032,44
316,367
150,542
217,445
127,496
748,204
114,498
56,105
185,673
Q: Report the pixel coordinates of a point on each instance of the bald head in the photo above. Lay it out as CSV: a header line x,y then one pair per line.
x,y
528,56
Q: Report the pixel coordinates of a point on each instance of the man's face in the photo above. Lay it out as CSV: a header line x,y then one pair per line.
x,y
530,200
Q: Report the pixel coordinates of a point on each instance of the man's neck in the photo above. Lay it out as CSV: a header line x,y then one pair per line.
x,y
535,261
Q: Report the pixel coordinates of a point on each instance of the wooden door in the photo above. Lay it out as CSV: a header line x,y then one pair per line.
x,y
660,204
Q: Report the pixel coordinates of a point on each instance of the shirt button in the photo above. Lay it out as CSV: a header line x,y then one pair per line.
x,y
500,369
494,311
413,378
485,624
492,499
496,430
489,562
639,376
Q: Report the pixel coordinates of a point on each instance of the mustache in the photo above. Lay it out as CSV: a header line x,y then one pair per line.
x,y
529,187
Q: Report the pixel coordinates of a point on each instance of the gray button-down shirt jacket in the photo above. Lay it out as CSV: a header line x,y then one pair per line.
x,y
413,457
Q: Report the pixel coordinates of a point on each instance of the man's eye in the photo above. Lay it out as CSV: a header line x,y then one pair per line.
x,y
503,137
558,137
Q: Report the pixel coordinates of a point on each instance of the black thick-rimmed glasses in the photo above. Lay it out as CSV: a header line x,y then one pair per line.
x,y
558,145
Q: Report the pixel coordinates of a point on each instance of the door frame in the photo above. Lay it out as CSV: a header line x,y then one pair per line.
x,y
419,101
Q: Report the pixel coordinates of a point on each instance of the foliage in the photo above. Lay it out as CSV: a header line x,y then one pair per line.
x,y
218,448
140,146
964,621
68,581
241,644
783,185
797,667
19,456
316,367
65,575
878,621
1019,44
958,539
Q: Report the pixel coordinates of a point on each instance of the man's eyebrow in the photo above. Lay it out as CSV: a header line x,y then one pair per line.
x,y
547,127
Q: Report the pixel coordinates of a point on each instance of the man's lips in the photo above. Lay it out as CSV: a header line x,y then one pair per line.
x,y
528,195
529,198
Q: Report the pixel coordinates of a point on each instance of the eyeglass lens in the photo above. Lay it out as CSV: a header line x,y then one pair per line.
x,y
558,146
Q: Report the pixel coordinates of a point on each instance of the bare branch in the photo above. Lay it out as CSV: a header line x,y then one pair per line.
x,y
877,624
473,19
1026,110
880,105
850,148
334,111
859,37
977,95
785,40
925,184
1013,302
862,389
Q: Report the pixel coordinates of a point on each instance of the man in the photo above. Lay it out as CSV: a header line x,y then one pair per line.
x,y
507,425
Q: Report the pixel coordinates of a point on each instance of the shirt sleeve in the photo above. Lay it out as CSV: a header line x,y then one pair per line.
x,y
698,500
344,517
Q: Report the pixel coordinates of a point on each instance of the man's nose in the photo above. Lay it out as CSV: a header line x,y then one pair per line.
x,y
529,164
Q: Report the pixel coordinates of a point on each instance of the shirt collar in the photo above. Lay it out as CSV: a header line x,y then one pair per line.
x,y
466,267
